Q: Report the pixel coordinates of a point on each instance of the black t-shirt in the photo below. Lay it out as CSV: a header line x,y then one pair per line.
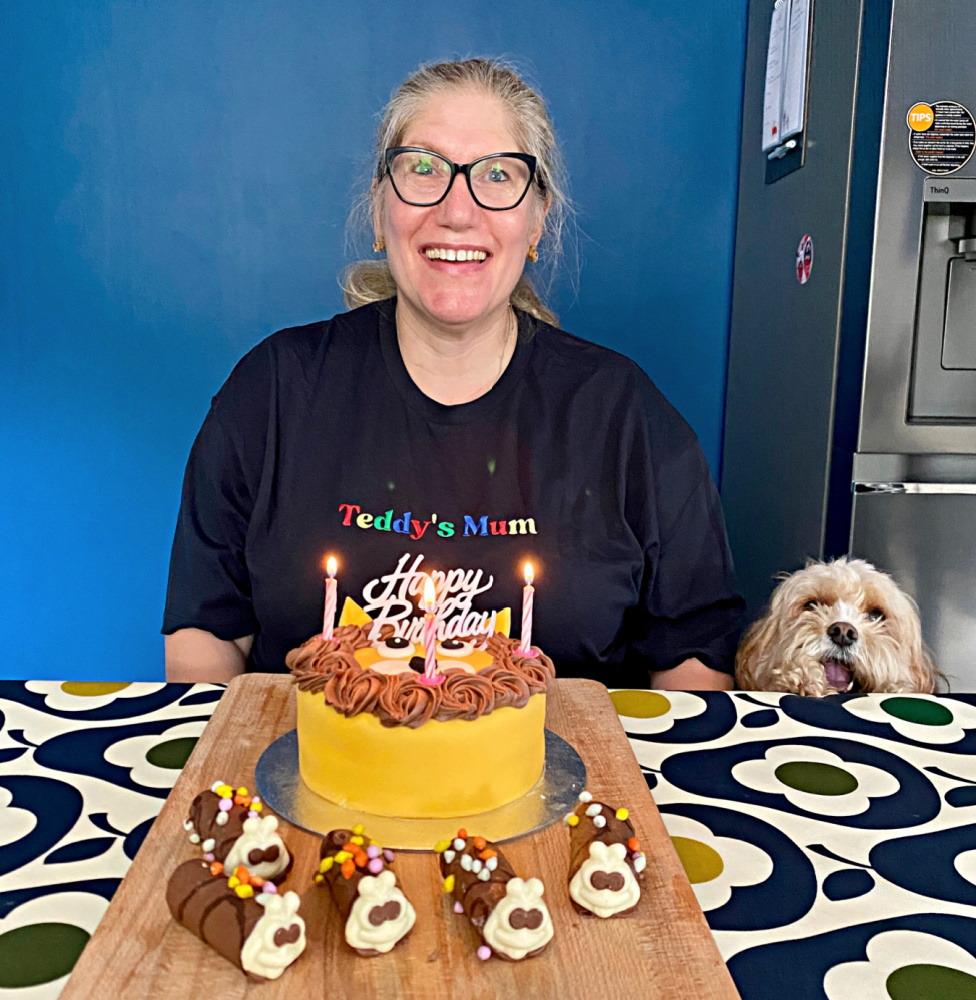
x,y
320,443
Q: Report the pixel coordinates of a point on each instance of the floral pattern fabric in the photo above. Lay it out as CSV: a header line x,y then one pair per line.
x,y
830,842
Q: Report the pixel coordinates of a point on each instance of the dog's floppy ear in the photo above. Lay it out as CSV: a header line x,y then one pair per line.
x,y
926,677
750,667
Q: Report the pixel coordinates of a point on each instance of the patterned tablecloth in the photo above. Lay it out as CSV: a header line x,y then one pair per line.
x,y
830,843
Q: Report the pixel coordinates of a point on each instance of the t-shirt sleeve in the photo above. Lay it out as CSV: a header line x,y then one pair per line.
x,y
209,585
690,598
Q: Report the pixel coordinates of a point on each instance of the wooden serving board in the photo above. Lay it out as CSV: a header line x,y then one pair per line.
x,y
663,950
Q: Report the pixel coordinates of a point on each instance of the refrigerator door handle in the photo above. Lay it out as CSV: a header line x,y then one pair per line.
x,y
940,488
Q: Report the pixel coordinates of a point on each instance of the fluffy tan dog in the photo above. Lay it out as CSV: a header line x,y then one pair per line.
x,y
837,626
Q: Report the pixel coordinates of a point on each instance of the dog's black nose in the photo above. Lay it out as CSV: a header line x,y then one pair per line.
x,y
842,633
417,663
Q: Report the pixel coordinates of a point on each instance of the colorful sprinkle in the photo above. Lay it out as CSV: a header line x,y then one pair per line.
x,y
458,908
491,864
449,856
487,853
459,844
356,840
194,838
585,797
599,822
272,889
216,868
389,855
208,856
209,844
251,814
572,820
485,874
325,864
359,830
224,791
342,856
622,813
479,843
441,846
244,891
319,879
256,805
242,790
348,868
484,953
466,862
376,865
449,884
594,810
373,851
633,844
233,882
225,805
640,863
463,834
222,818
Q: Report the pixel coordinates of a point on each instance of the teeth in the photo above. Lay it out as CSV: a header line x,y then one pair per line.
x,y
443,253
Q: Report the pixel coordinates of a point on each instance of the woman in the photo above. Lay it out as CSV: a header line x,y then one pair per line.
x,y
447,425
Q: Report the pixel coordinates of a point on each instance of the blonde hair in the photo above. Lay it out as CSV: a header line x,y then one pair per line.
x,y
371,280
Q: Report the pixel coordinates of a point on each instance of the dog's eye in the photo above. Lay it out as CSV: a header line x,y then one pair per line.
x,y
876,615
811,605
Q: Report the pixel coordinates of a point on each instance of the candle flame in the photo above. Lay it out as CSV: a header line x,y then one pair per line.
x,y
430,596
331,566
529,574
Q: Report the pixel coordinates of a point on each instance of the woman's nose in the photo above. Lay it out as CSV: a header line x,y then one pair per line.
x,y
458,209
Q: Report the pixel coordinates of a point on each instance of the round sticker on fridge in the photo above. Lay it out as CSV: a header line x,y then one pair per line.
x,y
804,259
941,136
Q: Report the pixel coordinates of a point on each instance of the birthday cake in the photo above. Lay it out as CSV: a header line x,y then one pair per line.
x,y
373,736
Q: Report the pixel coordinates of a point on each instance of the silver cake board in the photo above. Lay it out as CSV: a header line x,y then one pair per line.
x,y
280,785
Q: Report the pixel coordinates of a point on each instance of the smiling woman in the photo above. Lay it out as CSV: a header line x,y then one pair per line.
x,y
449,391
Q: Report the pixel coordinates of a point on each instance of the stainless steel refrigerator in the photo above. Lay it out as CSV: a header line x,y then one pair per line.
x,y
851,409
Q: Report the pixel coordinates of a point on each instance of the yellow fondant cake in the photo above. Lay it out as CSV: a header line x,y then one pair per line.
x,y
439,769
374,736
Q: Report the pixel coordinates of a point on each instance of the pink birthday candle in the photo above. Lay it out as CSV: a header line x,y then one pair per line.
x,y
431,677
328,616
528,592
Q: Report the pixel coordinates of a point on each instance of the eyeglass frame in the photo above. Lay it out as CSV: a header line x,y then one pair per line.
x,y
460,168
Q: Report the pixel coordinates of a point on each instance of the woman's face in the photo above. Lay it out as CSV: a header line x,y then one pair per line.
x,y
461,126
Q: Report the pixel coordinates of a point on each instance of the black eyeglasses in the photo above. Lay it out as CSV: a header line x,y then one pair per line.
x,y
423,178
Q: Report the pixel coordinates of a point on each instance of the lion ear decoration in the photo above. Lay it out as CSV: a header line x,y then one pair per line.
x,y
503,622
353,614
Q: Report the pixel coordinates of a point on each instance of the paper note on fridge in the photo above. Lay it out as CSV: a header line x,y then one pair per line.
x,y
784,99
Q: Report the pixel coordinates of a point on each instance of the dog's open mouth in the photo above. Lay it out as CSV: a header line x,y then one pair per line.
x,y
839,675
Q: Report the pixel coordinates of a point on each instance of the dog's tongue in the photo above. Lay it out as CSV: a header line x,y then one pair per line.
x,y
838,675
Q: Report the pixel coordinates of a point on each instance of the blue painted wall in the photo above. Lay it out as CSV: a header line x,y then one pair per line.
x,y
174,186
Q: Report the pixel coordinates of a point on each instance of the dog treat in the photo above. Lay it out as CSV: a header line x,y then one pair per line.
x,y
506,910
605,859
241,917
229,827
364,887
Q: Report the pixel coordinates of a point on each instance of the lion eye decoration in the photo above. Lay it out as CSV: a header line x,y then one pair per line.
x,y
454,648
396,647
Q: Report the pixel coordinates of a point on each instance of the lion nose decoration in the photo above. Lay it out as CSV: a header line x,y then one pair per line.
x,y
257,856
531,919
379,915
417,663
613,881
287,935
842,633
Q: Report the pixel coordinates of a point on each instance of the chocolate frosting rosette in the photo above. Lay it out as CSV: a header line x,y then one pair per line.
x,y
605,859
507,911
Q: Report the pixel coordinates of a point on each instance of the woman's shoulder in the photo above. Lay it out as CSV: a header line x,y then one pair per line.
x,y
608,375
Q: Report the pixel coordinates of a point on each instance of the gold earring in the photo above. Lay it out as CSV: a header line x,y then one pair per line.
x,y
533,254
379,244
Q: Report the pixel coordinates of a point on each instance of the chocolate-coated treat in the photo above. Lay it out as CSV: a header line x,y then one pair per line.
x,y
358,874
261,934
229,826
605,859
507,911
